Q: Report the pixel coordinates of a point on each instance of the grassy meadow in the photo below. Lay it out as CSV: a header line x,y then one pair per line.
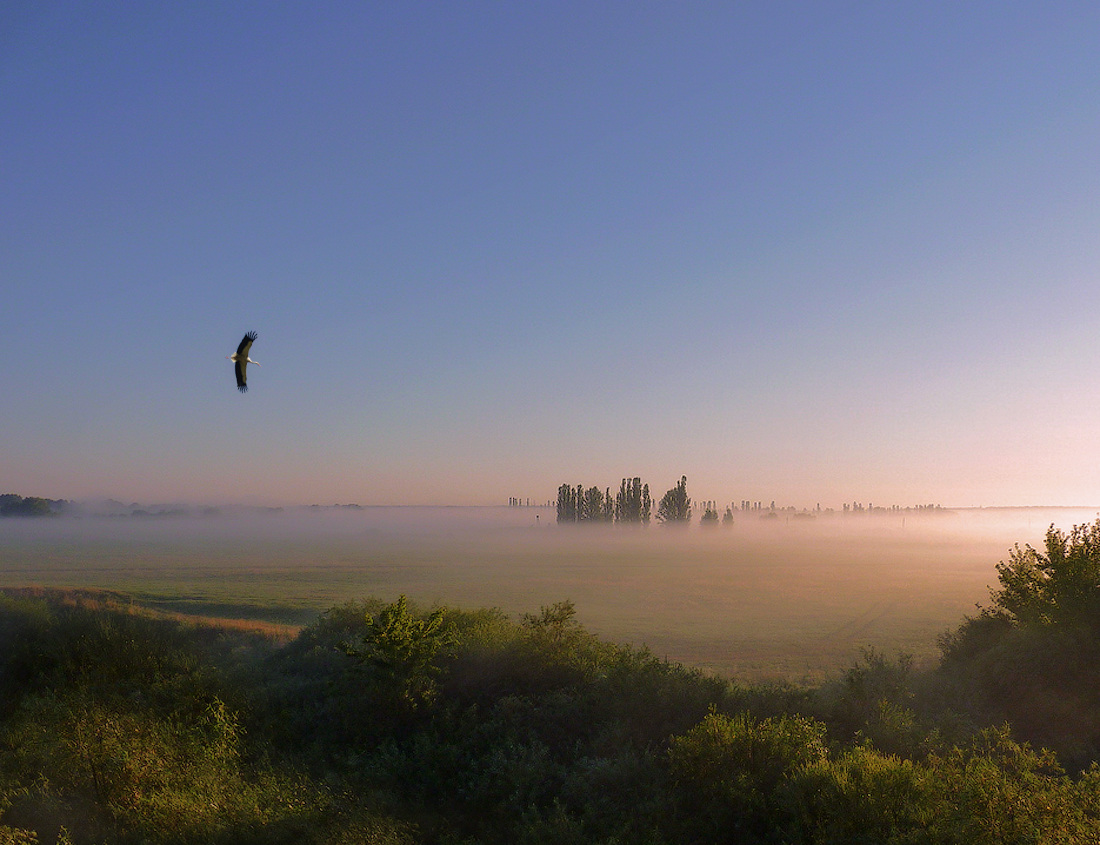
x,y
779,599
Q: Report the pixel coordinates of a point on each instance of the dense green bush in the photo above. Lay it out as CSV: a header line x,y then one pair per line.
x,y
1032,658
727,769
117,725
858,797
385,723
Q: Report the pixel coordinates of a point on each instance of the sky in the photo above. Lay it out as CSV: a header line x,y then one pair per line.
x,y
811,253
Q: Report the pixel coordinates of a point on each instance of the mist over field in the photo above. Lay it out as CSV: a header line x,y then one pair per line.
x,y
791,598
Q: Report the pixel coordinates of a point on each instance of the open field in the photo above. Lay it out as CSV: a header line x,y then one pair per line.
x,y
791,599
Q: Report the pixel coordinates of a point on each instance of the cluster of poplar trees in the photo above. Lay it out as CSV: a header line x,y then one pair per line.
x,y
632,505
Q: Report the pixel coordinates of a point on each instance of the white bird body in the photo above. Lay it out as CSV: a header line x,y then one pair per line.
x,y
241,360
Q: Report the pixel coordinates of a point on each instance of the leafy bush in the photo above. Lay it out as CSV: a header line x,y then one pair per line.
x,y
727,770
1060,586
402,650
142,770
999,791
1033,657
873,701
115,724
383,723
861,797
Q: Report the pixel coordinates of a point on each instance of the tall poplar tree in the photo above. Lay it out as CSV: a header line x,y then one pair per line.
x,y
567,504
675,507
632,502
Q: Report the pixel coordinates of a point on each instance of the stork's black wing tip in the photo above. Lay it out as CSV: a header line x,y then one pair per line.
x,y
243,388
251,335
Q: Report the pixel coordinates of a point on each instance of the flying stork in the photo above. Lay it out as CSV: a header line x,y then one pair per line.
x,y
241,360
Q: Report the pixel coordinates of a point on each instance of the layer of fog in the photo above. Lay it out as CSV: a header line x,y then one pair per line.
x,y
783,597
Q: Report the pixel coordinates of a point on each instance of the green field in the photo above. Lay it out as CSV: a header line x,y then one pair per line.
x,y
776,599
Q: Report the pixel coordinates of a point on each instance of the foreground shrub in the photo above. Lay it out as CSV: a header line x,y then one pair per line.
x,y
116,730
860,797
141,770
486,730
997,790
1032,658
727,769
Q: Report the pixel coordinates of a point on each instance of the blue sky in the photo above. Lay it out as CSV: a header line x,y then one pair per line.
x,y
810,253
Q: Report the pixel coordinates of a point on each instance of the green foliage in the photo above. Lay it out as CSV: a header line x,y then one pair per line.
x,y
1033,657
142,769
1058,587
120,727
1043,680
456,726
861,797
993,790
726,771
997,790
542,729
555,625
568,508
631,505
10,835
402,650
598,505
873,701
589,506
675,506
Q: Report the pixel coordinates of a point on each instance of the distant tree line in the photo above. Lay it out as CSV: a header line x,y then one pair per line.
x,y
859,507
12,504
632,505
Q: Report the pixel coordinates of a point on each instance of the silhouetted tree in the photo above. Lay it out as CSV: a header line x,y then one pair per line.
x,y
675,507
595,505
632,504
567,504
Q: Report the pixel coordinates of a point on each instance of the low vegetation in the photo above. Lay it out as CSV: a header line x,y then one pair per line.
x,y
384,723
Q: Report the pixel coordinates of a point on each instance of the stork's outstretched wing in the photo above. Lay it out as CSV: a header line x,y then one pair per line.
x,y
239,367
246,344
